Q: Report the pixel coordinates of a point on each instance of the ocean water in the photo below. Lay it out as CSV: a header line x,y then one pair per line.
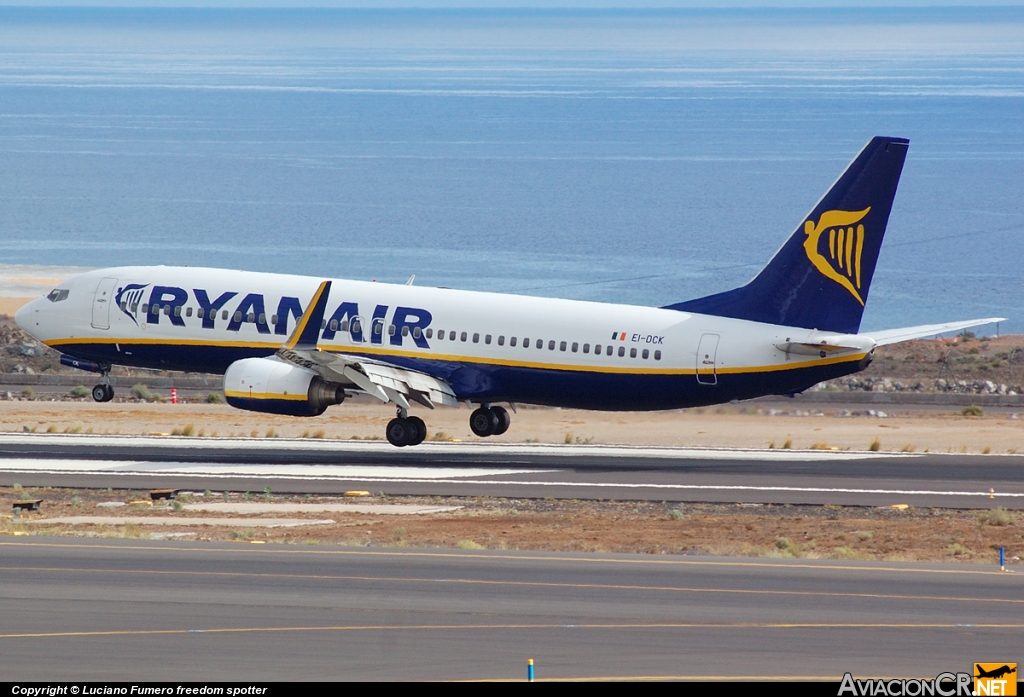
x,y
641,157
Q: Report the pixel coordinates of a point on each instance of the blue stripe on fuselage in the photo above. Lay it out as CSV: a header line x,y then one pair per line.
x,y
497,383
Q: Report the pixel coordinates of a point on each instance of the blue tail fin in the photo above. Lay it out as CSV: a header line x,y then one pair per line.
x,y
821,276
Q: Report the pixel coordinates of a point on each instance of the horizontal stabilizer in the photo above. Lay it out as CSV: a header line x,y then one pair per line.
x,y
894,336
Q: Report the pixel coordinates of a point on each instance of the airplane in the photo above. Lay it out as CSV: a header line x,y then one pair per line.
x,y
296,344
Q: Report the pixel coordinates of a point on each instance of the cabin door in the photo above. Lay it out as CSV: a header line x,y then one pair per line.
x,y
101,303
706,361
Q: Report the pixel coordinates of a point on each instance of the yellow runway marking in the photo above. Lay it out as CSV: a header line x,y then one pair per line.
x,y
522,584
518,558
502,626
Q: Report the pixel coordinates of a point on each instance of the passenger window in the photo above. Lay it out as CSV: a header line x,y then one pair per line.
x,y
188,311
391,330
501,340
177,311
657,355
430,333
378,328
145,308
237,317
487,339
405,331
224,314
356,326
512,341
263,318
632,353
167,310
416,333
273,319
597,349
622,351
124,304
645,354
465,336
251,317
540,343
199,313
334,325
609,350
344,325
562,346
526,343
575,347
476,338
135,308
323,324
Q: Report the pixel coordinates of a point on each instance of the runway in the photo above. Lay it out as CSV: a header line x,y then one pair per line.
x,y
519,471
130,610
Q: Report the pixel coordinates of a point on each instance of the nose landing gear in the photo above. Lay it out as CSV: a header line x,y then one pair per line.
x,y
103,392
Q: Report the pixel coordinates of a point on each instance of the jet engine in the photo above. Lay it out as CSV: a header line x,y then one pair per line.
x,y
273,386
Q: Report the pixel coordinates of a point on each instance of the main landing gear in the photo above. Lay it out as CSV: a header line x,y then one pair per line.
x,y
406,430
103,392
489,421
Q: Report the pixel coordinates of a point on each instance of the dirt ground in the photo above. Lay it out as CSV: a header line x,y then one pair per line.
x,y
744,426
817,532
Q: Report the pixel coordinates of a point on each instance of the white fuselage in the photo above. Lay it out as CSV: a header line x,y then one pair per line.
x,y
495,347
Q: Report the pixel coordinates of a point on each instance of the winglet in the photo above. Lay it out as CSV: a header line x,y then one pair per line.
x,y
307,331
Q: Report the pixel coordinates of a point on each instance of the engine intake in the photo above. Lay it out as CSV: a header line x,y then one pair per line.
x,y
272,386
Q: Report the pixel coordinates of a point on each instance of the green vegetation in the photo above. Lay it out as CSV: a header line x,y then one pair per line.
x,y
995,516
140,391
469,544
973,410
80,392
214,398
875,446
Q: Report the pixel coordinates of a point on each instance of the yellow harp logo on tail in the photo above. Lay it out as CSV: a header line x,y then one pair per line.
x,y
844,247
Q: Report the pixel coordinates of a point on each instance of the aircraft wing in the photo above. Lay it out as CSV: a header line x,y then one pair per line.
x,y
894,336
386,382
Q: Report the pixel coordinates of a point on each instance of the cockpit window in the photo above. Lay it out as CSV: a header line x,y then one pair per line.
x,y
58,294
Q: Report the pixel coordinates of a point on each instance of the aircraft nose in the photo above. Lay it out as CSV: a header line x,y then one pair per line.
x,y
23,317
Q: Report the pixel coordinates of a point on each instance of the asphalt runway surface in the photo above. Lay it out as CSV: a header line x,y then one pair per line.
x,y
515,471
94,610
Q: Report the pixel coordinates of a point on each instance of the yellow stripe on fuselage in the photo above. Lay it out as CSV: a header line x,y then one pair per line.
x,y
386,352
265,395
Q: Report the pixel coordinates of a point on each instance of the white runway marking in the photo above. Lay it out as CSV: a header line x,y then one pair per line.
x,y
423,475
333,472
157,444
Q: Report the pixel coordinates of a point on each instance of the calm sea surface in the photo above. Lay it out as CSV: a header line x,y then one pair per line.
x,y
623,156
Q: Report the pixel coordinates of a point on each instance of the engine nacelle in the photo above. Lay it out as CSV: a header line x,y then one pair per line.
x,y
273,386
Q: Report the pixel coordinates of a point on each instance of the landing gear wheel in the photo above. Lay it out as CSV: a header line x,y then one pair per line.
x,y
503,419
102,393
418,428
483,422
399,431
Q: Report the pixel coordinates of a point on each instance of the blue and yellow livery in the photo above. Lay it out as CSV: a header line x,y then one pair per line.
x,y
298,345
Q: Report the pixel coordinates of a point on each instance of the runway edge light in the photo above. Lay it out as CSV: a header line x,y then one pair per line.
x,y
529,670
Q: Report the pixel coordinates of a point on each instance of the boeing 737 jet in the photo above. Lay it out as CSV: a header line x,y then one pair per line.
x,y
297,345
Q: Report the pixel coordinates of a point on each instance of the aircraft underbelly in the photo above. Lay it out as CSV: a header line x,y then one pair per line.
x,y
579,389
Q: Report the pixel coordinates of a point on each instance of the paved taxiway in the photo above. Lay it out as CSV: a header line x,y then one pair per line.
x,y
133,609
515,471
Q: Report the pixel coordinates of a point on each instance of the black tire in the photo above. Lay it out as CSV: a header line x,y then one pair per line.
x,y
110,392
419,430
99,393
398,432
502,417
482,422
